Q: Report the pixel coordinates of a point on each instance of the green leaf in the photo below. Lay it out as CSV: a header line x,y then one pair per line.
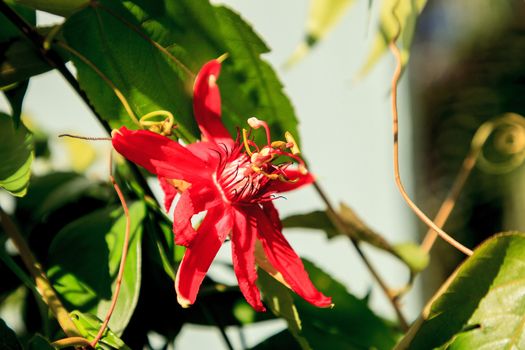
x,y
7,29
16,153
412,254
54,191
89,325
186,34
8,340
409,253
281,303
481,305
38,342
15,96
19,62
317,220
322,18
404,17
58,7
84,260
350,324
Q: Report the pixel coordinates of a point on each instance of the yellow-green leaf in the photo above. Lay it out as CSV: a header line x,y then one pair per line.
x,y
396,15
322,17
16,156
481,306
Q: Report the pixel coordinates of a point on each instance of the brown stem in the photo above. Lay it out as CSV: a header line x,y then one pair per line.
x,y
70,342
341,227
397,176
43,285
121,267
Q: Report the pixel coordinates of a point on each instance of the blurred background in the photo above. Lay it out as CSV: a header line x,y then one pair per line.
x,y
465,68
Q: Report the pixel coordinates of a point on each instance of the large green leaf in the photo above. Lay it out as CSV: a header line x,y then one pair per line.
x,y
16,154
350,324
84,260
323,15
190,33
89,326
482,305
396,16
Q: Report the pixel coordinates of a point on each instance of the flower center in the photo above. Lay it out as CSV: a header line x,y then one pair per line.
x,y
246,172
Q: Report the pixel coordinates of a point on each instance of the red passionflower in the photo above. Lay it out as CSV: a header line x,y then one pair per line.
x,y
235,182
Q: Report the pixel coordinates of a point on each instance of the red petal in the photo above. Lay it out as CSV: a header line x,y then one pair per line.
x,y
286,261
169,192
207,151
292,174
192,201
243,256
199,255
207,104
182,228
159,155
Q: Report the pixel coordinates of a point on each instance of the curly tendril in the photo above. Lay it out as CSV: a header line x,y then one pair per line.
x,y
509,142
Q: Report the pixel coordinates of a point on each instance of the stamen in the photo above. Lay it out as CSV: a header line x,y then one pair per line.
x,y
256,124
245,142
290,139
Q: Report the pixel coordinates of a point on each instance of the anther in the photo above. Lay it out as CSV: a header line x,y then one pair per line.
x,y
290,139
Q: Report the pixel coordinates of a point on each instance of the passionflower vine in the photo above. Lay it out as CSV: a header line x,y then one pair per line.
x,y
235,182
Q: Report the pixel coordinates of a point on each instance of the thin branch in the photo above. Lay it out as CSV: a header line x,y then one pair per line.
x,y
121,267
341,227
397,176
69,342
44,287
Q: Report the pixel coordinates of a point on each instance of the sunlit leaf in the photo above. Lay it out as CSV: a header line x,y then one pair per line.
x,y
481,306
16,154
280,301
8,340
402,20
323,15
84,261
412,254
186,34
89,325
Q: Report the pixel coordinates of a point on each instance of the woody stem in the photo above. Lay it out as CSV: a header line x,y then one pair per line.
x,y
43,286
341,227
